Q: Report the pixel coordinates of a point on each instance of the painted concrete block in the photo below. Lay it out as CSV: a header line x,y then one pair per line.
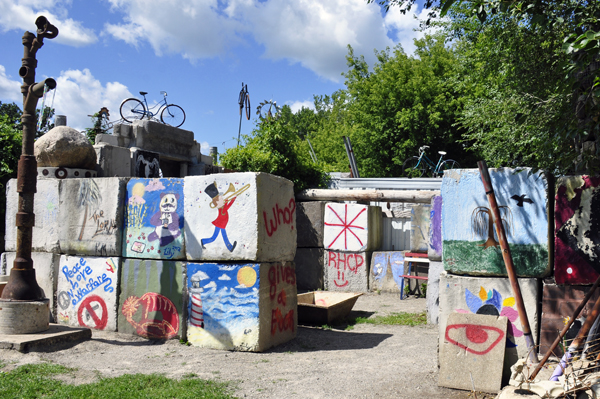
x,y
386,269
347,271
240,216
144,164
151,301
245,307
433,291
470,244
434,251
352,227
46,274
113,161
309,218
491,296
154,219
91,216
45,207
577,230
87,292
420,220
309,269
477,344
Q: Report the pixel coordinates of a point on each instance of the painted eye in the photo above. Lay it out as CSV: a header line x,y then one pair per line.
x,y
474,338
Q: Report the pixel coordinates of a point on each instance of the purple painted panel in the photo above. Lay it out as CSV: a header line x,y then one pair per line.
x,y
435,231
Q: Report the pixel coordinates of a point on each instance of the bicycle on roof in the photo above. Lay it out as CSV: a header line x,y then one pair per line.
x,y
244,102
417,166
170,114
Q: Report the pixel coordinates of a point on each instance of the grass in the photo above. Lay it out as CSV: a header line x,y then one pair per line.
x,y
36,381
393,319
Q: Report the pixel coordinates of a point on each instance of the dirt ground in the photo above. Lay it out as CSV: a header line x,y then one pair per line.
x,y
369,361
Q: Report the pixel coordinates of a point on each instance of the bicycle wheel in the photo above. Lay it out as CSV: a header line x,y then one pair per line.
x,y
132,109
173,115
447,165
412,168
247,105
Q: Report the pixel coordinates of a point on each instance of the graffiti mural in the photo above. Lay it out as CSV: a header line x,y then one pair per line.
x,y
470,244
346,271
151,298
87,292
420,216
435,231
577,230
154,219
386,269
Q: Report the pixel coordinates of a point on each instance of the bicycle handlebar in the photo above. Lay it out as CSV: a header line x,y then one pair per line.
x,y
422,149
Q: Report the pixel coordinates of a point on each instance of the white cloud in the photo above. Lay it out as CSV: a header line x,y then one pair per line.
x,y
224,277
402,26
21,15
10,90
298,105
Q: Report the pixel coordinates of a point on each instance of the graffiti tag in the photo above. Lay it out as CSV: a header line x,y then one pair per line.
x,y
344,262
280,216
81,283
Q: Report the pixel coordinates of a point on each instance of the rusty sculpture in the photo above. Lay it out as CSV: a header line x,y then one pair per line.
x,y
22,284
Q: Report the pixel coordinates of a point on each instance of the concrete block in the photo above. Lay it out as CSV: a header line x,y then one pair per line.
x,y
245,307
150,136
45,207
107,139
240,216
113,161
386,269
154,219
347,271
577,230
91,216
309,269
420,220
309,218
87,292
433,291
470,245
151,301
352,227
476,343
491,296
46,267
144,164
434,252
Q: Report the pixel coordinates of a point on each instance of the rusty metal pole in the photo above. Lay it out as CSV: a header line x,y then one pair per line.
x,y
22,284
508,262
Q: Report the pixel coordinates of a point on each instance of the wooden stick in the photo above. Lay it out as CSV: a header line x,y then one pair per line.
x,y
412,196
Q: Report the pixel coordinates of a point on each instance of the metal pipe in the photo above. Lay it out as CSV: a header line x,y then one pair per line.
x,y
508,262
564,330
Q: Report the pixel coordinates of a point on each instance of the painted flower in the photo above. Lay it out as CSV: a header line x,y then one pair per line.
x,y
491,303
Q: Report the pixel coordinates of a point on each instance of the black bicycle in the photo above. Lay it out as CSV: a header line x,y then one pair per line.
x,y
170,114
244,102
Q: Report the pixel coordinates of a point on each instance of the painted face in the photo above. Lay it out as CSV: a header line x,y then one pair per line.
x,y
220,201
168,203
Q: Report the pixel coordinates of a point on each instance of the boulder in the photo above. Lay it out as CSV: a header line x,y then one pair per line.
x,y
66,147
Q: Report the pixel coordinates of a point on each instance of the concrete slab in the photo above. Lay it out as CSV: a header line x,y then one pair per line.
x,y
244,307
472,352
240,217
352,227
347,271
154,222
113,161
420,220
91,216
435,230
386,269
433,291
577,230
87,292
57,337
150,135
310,269
45,207
469,242
309,218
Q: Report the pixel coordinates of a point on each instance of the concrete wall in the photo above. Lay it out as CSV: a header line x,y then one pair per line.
x,y
420,216
247,307
352,227
91,216
433,291
469,243
309,218
347,271
113,161
309,269
434,251
256,221
577,230
151,302
45,207
87,292
386,269
154,219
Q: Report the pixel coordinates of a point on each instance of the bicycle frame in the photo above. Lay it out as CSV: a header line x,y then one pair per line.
x,y
160,105
435,168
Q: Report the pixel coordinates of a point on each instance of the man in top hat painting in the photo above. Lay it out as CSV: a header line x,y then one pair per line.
x,y
222,219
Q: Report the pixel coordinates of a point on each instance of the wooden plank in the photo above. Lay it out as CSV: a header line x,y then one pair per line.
x,y
415,277
411,196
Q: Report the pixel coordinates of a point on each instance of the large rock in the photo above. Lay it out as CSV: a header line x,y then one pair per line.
x,y
66,147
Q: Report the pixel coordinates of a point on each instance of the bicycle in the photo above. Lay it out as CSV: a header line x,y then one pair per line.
x,y
170,114
416,166
243,101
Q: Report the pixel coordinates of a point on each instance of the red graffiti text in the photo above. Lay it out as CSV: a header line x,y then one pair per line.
x,y
344,262
280,216
281,322
280,273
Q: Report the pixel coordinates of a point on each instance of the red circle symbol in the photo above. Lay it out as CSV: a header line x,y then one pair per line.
x,y
97,321
476,334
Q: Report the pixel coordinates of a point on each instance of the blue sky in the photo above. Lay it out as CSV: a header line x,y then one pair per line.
x,y
198,51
